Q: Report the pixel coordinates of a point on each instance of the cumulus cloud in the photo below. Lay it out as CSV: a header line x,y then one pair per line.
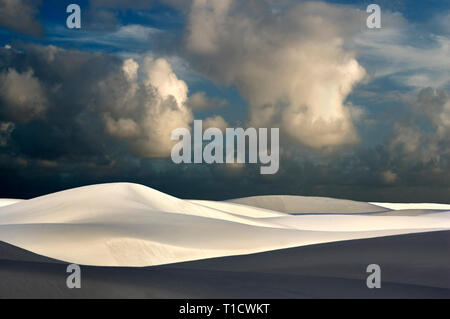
x,y
425,137
289,64
199,101
22,97
435,103
91,101
148,105
20,16
159,74
215,122
121,128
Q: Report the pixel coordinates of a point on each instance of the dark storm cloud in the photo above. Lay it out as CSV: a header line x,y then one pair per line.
x,y
68,104
46,92
425,136
20,16
356,176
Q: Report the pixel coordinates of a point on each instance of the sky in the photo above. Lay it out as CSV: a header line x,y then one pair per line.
x,y
363,113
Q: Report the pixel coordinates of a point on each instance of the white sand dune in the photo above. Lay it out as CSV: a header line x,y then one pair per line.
x,y
308,205
402,206
126,224
9,201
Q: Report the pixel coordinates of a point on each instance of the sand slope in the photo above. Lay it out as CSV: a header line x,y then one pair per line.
x,y
132,225
402,206
413,266
308,205
8,201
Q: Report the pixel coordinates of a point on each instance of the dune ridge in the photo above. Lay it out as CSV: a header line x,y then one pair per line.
x,y
131,225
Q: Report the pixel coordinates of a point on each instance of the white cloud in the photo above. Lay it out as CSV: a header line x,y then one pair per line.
x,y
290,65
159,74
130,68
215,122
148,106
200,102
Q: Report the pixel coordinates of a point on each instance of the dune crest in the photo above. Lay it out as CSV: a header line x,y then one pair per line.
x,y
125,224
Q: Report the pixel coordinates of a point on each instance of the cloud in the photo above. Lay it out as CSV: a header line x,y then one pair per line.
x,y
435,103
389,177
6,129
125,37
289,64
200,102
108,14
102,117
409,53
121,128
20,16
74,103
22,97
118,4
137,4
215,122
149,103
426,136
108,118
105,15
159,74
